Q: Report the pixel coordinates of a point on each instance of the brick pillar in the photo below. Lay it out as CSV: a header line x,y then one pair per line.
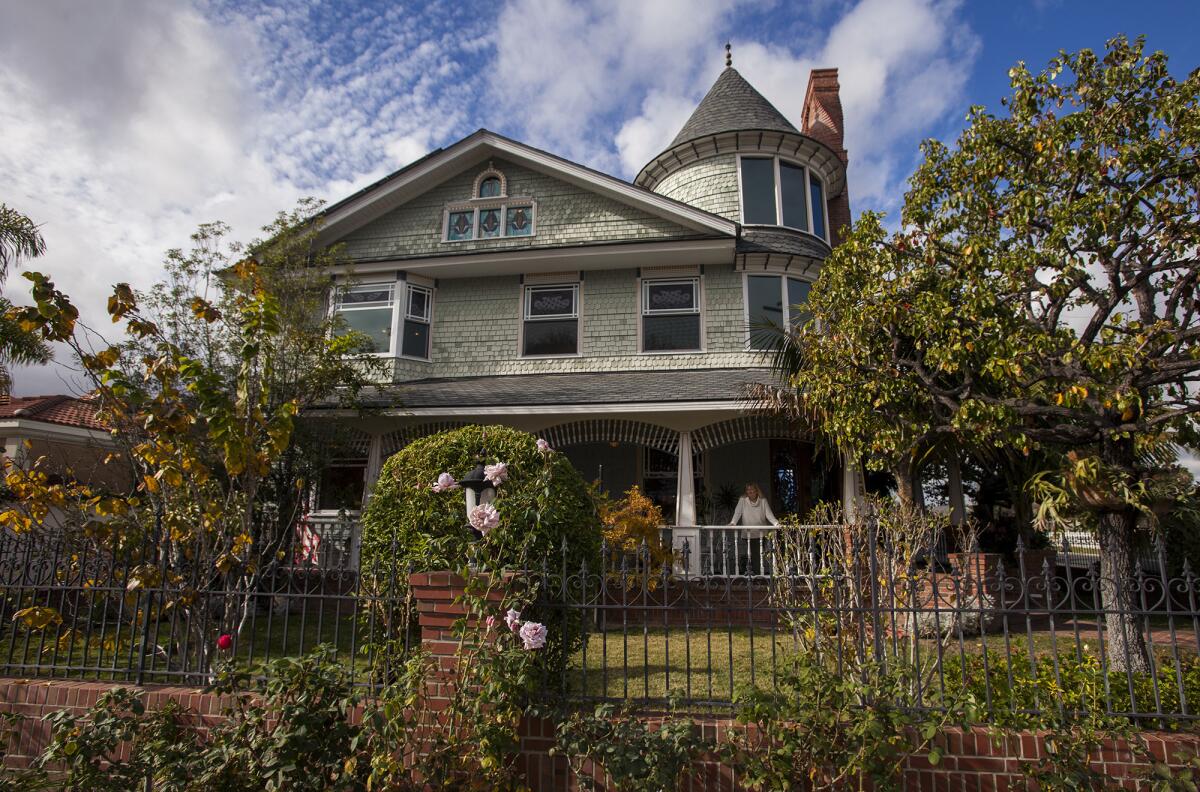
x,y
439,605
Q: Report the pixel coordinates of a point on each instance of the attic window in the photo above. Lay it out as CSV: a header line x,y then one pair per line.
x,y
489,187
490,183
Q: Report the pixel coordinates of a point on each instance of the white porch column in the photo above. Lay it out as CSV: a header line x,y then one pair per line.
x,y
685,500
374,464
853,487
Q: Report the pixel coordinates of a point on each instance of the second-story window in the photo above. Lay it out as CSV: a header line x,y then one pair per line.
x,y
551,320
671,315
368,308
782,193
773,302
418,309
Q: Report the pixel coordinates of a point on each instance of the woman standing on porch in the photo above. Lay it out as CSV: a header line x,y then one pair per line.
x,y
752,509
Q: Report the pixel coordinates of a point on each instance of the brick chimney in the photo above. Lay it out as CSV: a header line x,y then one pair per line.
x,y
822,121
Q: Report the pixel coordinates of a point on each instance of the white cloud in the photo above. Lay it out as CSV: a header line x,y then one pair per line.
x,y
563,68
128,123
902,65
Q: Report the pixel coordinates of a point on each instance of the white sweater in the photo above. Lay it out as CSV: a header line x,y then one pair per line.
x,y
753,513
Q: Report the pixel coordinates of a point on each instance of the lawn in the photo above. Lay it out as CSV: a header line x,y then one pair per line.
x,y
710,666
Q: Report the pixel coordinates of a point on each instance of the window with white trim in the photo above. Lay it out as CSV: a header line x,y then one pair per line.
x,y
551,320
671,315
368,308
418,311
773,301
779,192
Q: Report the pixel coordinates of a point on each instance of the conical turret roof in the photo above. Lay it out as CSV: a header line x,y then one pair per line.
x,y
732,104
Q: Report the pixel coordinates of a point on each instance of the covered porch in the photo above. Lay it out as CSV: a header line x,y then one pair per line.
x,y
692,450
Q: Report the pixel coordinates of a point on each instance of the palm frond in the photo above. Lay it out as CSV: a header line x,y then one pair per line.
x,y
19,239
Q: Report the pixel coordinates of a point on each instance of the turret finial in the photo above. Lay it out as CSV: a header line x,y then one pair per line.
x,y
728,54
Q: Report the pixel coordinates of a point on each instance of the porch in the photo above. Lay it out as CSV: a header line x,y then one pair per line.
x,y
695,476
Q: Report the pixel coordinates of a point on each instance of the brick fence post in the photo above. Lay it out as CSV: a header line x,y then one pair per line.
x,y
439,597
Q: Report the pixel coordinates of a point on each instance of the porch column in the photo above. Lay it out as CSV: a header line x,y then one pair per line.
x,y
853,488
958,506
374,464
685,500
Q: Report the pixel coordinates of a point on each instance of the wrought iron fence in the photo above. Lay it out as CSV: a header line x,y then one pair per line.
x,y
1023,635
91,608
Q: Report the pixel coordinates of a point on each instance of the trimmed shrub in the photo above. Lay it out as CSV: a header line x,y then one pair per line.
x,y
543,503
548,519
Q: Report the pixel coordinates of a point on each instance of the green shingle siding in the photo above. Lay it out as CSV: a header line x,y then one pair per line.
x,y
709,184
566,215
476,325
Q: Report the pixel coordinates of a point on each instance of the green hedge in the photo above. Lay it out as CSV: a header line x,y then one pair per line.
x,y
544,503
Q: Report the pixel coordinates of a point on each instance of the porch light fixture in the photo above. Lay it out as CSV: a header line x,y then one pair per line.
x,y
477,489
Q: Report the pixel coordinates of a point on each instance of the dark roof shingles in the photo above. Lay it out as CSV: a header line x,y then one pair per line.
x,y
539,390
732,104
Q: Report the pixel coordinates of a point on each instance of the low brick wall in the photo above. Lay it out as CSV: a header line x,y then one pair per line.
x,y
972,759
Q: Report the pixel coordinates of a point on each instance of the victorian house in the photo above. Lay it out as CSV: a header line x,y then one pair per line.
x,y
617,320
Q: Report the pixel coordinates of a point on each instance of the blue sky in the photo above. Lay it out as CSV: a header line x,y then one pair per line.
x,y
128,122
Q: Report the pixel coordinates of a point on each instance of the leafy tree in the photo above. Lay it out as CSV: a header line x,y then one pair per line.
x,y
202,400
19,239
1041,295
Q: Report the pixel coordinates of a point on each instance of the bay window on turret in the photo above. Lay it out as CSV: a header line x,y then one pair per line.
x,y
778,192
773,301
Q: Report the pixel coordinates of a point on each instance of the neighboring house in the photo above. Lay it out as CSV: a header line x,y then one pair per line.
x,y
504,284
64,433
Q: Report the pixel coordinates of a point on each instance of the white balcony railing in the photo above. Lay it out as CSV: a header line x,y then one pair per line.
x,y
727,550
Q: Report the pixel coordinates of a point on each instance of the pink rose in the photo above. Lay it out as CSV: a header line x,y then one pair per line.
x,y
496,473
543,446
490,623
484,518
445,482
225,642
533,635
513,619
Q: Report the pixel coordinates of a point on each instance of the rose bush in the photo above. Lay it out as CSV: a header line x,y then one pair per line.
x,y
543,515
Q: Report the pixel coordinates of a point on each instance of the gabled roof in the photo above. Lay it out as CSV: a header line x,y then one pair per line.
x,y
732,104
416,178
57,409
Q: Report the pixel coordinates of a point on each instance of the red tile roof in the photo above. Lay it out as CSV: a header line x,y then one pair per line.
x,y
64,410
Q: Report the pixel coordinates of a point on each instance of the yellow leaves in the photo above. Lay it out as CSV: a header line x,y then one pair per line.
x,y
121,302
203,309
15,521
143,576
242,543
38,618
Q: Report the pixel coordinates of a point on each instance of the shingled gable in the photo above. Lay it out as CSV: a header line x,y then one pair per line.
x,y
393,191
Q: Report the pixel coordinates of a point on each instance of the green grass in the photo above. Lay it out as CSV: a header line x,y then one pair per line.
x,y
267,637
712,666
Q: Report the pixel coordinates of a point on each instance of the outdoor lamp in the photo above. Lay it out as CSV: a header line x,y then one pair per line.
x,y
477,489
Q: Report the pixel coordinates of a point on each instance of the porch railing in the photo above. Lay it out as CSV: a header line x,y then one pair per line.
x,y
728,550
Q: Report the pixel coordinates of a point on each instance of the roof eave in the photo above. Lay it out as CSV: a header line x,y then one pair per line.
x,y
745,140
394,190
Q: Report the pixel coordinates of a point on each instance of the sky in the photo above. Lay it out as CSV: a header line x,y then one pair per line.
x,y
124,124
